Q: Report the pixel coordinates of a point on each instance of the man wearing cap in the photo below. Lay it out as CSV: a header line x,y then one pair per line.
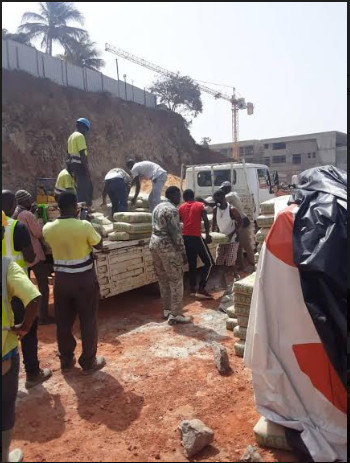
x,y
17,246
15,283
41,271
244,232
149,171
78,157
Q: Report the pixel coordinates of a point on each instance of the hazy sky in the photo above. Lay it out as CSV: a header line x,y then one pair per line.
x,y
289,59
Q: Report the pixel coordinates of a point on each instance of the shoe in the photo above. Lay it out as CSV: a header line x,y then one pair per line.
x,y
178,319
67,366
16,455
166,314
203,294
193,291
47,321
34,380
98,364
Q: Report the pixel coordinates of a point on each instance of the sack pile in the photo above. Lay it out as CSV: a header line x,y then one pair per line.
x,y
101,224
131,226
242,297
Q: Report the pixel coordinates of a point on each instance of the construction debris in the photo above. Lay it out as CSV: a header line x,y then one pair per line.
x,y
195,436
251,454
221,358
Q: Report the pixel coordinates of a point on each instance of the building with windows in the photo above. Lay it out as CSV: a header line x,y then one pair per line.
x,y
294,154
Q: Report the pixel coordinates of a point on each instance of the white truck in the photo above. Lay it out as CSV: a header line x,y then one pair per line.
x,y
246,179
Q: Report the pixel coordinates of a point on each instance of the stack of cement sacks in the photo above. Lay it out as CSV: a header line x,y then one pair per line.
x,y
129,226
242,297
101,224
267,218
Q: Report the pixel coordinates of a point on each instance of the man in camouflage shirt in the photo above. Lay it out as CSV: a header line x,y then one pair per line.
x,y
169,255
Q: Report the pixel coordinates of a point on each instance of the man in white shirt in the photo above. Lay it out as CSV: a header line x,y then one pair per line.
x,y
117,185
150,171
244,233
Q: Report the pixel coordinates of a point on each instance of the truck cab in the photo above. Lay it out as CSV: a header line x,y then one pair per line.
x,y
253,179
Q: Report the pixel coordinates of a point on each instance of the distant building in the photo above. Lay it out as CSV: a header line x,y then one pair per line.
x,y
294,154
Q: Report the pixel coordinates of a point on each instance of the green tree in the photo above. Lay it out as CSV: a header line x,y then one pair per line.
x,y
205,141
179,93
20,37
51,24
83,53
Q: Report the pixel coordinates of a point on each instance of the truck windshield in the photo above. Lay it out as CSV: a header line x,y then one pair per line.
x,y
220,176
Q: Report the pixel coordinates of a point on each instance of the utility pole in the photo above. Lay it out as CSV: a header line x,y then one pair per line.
x,y
126,95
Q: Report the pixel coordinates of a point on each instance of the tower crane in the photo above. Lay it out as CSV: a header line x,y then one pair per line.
x,y
236,103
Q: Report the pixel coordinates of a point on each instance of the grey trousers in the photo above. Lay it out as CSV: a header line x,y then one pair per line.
x,y
156,193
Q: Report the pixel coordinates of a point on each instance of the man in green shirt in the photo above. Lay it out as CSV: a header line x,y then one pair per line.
x,y
78,157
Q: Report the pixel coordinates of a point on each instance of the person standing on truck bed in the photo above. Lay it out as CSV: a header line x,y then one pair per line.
x,y
191,214
76,288
169,255
150,171
117,185
17,246
226,220
15,283
245,231
65,180
78,156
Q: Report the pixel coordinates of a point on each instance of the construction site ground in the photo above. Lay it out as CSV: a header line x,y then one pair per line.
x,y
156,376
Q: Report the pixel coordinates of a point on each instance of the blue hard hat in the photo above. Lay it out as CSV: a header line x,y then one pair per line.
x,y
84,121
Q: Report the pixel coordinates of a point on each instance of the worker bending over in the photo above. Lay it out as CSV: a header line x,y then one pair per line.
x,y
245,231
169,255
15,283
78,156
149,171
17,246
117,185
191,214
226,220
76,289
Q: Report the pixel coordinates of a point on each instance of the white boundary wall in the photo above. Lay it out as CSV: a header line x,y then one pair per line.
x,y
16,56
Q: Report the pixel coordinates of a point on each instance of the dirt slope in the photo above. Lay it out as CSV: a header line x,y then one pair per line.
x,y
38,116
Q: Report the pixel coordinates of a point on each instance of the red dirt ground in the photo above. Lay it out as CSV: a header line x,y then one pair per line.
x,y
156,376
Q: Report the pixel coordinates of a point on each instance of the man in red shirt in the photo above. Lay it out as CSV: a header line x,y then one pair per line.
x,y
191,214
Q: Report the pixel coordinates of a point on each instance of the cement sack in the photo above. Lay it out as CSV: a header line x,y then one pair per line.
x,y
101,220
246,285
242,321
239,348
231,311
240,332
268,207
231,323
269,434
103,230
262,234
123,236
133,228
94,215
242,299
218,238
133,217
265,221
242,310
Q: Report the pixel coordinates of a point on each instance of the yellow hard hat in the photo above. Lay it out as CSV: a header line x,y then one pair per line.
x,y
4,219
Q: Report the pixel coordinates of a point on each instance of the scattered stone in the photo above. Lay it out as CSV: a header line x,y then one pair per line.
x,y
195,436
251,454
221,358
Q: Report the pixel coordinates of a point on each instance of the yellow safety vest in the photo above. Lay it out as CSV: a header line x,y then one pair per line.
x,y
9,339
8,245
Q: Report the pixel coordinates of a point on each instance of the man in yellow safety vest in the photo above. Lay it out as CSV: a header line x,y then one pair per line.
x,y
17,247
15,282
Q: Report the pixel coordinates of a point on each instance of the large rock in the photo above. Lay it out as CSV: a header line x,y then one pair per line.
x,y
251,454
195,436
221,359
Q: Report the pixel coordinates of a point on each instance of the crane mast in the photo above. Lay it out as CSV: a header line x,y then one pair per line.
x,y
236,103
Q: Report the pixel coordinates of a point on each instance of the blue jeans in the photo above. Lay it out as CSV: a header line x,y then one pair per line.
x,y
156,193
116,190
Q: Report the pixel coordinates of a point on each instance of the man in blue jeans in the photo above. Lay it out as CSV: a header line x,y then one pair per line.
x,y
150,171
117,185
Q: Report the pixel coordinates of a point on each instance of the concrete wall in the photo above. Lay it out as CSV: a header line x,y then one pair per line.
x,y
16,56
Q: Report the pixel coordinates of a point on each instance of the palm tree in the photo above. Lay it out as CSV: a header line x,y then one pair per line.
x,y
20,37
83,53
51,24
